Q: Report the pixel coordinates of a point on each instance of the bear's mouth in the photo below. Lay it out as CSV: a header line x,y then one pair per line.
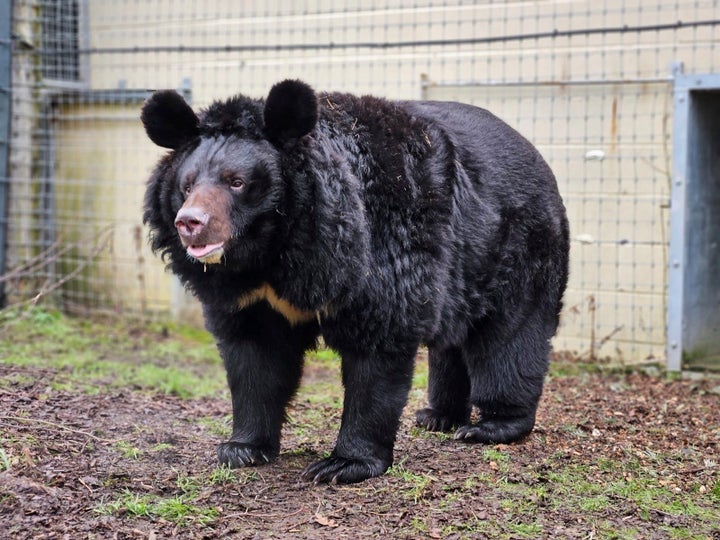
x,y
206,253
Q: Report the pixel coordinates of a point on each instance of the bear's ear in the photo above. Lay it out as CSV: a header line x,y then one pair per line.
x,y
168,119
291,111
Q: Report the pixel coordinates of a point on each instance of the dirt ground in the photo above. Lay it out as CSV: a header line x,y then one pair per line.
x,y
614,455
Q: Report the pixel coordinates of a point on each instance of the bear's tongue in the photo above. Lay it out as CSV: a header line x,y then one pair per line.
x,y
201,250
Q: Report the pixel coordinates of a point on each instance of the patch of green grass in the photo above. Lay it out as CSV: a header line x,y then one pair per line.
x,y
93,356
201,353
715,491
188,333
161,446
519,501
246,475
632,482
416,431
217,426
189,485
478,479
175,381
126,502
414,484
4,461
304,425
420,376
178,510
613,531
127,450
222,475
325,356
593,503
651,497
525,530
491,453
16,379
508,528
419,382
322,385
323,393
679,532
418,525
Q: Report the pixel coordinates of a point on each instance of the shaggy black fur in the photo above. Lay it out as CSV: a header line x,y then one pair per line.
x,y
382,225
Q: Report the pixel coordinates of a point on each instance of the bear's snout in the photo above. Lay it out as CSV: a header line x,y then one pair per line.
x,y
199,236
190,222
203,223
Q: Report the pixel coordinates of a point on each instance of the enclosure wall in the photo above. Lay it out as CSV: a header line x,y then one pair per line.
x,y
590,83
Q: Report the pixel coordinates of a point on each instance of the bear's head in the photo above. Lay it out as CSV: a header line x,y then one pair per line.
x,y
221,191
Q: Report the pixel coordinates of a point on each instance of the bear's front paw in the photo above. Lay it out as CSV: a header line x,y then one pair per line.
x,y
340,470
236,454
433,420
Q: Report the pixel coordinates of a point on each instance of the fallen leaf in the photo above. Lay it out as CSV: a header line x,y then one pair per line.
x,y
325,521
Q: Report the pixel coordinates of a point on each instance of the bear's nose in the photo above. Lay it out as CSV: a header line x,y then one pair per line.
x,y
190,221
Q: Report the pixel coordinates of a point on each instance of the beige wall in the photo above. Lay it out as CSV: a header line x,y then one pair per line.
x,y
617,205
101,167
392,72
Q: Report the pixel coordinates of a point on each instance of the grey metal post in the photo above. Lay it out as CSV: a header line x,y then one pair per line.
x,y
6,11
678,202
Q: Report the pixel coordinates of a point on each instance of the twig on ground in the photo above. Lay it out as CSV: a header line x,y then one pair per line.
x,y
55,425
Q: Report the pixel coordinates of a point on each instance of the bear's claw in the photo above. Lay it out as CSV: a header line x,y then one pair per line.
x,y
340,470
432,420
236,454
496,431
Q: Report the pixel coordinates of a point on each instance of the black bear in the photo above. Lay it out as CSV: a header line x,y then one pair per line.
x,y
380,225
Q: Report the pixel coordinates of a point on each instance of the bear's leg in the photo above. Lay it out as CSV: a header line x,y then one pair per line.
x,y
506,377
376,391
448,391
263,358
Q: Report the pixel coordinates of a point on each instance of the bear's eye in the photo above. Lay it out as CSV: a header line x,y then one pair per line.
x,y
237,184
187,188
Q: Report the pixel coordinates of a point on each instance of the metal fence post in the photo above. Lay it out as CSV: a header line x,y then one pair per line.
x,y
6,11
676,271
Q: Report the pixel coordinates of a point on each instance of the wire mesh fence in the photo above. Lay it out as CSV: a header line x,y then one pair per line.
x,y
590,83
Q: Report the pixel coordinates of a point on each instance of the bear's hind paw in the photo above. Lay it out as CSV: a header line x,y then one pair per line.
x,y
236,454
496,431
433,420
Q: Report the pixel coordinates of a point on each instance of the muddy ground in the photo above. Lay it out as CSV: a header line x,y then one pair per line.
x,y
614,455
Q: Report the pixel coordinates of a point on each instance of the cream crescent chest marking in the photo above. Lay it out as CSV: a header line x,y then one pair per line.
x,y
265,292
